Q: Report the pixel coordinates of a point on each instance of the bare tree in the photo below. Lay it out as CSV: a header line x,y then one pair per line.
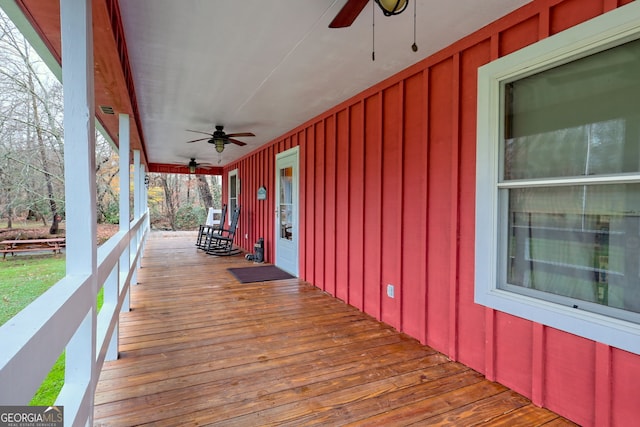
x,y
205,191
31,114
107,172
170,199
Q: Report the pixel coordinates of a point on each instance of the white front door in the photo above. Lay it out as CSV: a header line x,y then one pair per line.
x,y
286,229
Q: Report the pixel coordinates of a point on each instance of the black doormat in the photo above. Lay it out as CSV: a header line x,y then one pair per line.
x,y
262,273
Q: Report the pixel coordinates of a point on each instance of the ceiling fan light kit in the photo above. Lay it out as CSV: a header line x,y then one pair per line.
x,y
192,166
219,143
219,138
352,9
392,7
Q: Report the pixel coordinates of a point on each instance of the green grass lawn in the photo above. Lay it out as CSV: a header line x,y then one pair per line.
x,y
22,280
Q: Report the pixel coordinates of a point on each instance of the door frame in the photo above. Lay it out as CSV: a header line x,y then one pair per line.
x,y
294,155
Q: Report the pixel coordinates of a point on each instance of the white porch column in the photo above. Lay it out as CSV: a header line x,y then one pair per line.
x,y
124,148
136,184
137,189
142,206
80,198
117,280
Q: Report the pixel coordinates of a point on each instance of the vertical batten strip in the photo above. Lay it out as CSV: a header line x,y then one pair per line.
x,y
363,204
380,207
603,385
426,141
310,219
544,23
538,364
332,220
343,212
347,211
609,5
403,186
454,287
355,221
319,204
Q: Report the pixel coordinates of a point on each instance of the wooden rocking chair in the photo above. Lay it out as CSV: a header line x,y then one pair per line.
x,y
221,243
207,229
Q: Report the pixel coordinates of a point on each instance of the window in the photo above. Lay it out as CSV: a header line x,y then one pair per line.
x,y
234,190
558,181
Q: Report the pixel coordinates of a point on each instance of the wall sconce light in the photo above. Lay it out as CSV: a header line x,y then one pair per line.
x,y
146,181
392,7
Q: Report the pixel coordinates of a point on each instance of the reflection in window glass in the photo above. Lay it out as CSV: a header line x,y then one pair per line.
x,y
233,192
578,240
573,241
286,203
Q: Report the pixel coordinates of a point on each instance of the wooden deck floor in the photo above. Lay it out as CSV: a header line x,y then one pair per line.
x,y
199,348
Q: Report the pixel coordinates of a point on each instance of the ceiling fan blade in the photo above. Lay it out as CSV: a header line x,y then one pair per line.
x,y
235,141
196,140
232,135
348,13
198,131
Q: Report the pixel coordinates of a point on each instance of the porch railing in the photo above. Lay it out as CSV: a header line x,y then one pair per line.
x,y
65,318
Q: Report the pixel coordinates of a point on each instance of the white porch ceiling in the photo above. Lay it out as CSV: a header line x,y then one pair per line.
x,y
268,66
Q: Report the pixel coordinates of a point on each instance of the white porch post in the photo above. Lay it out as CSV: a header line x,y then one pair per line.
x,y
80,196
142,208
135,241
117,279
125,195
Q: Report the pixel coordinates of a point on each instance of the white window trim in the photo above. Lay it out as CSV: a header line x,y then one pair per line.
x,y
608,30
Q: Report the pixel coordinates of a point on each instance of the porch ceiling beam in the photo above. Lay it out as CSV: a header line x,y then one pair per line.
x,y
183,169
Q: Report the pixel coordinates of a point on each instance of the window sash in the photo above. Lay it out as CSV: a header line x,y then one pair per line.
x,y
608,30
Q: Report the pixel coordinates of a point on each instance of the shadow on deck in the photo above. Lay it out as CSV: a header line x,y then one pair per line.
x,y
199,348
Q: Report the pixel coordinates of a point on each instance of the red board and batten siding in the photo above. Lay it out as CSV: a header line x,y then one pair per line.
x,y
387,197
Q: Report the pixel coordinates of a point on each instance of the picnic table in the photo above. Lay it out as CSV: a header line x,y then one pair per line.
x,y
31,245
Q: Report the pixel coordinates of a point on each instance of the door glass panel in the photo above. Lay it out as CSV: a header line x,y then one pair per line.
x,y
286,203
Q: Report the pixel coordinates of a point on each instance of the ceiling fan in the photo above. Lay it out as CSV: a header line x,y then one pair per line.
x,y
193,165
219,138
352,9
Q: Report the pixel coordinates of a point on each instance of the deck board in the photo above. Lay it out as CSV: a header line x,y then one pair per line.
x,y
200,348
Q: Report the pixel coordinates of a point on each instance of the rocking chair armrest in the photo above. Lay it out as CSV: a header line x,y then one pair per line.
x,y
223,238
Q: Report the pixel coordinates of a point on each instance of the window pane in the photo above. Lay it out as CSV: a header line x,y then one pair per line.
x,y
232,207
580,242
233,186
575,119
286,203
286,224
286,181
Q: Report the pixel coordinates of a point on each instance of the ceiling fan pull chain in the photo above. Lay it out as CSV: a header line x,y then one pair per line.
x,y
414,46
373,33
